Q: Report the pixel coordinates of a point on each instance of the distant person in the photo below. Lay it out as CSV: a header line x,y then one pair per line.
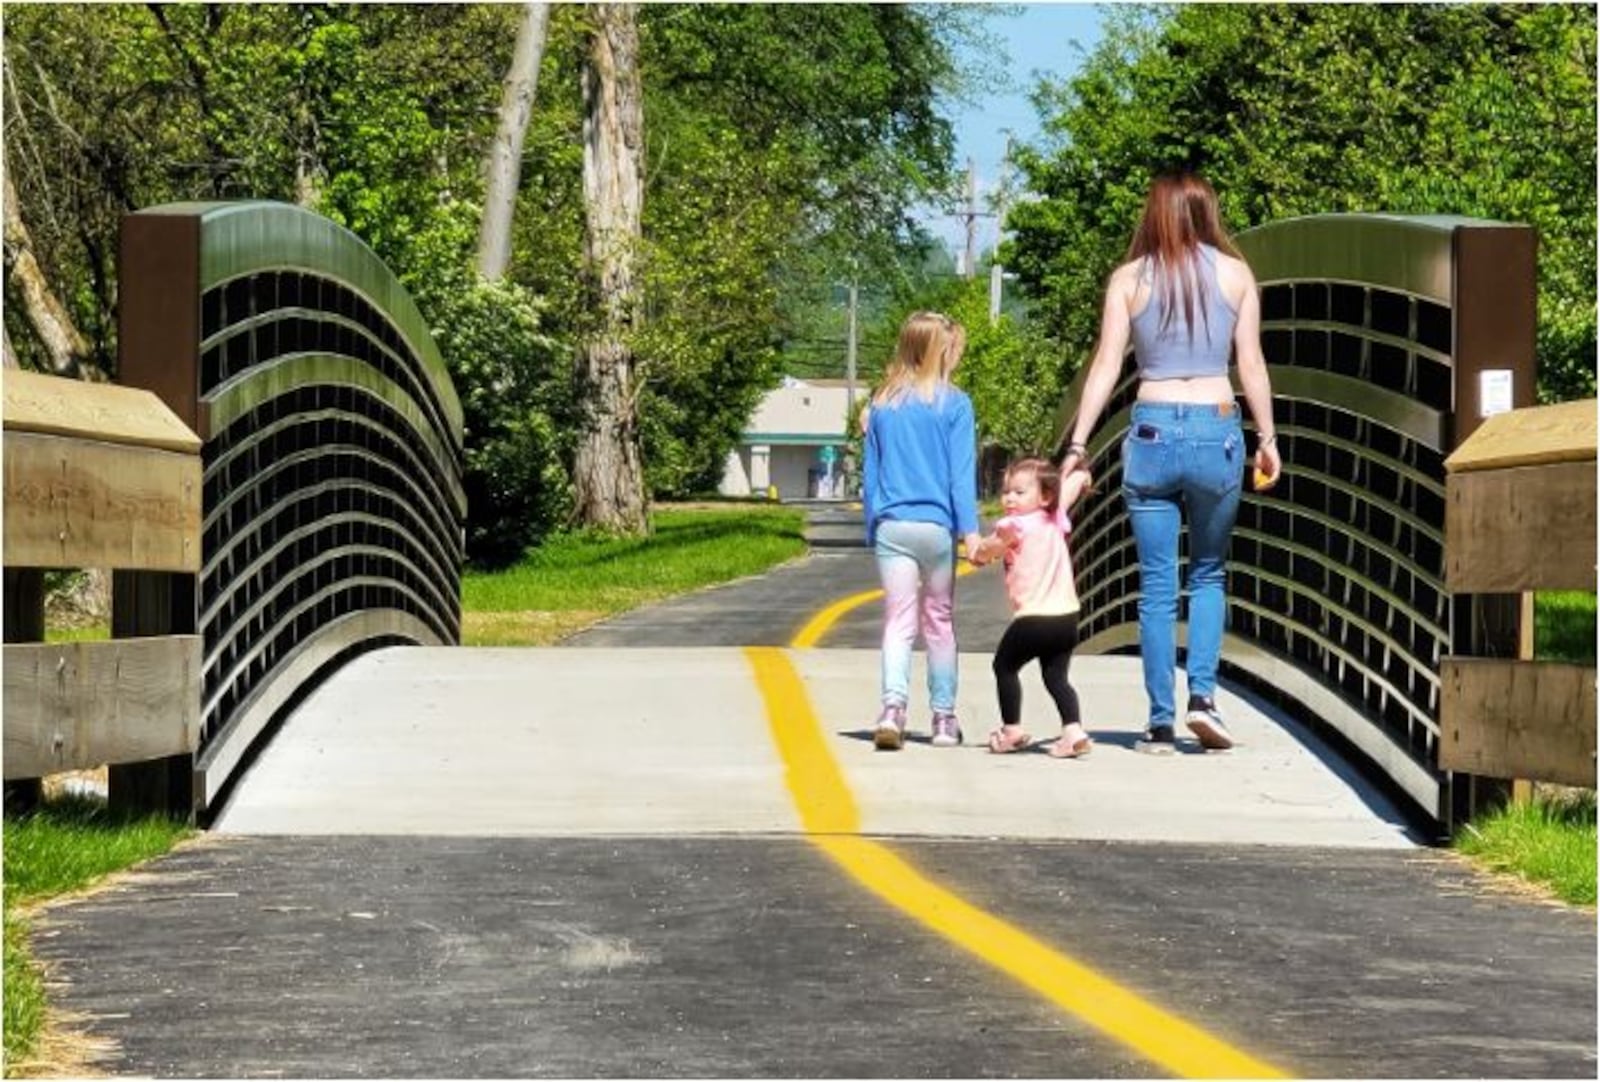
x,y
919,494
1032,540
1185,296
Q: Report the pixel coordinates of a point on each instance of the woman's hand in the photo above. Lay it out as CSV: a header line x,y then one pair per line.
x,y
1075,482
1269,465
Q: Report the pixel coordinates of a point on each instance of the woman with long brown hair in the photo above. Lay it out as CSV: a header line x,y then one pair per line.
x,y
1186,299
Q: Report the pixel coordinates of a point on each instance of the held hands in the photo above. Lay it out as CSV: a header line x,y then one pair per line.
x,y
982,550
975,543
1075,483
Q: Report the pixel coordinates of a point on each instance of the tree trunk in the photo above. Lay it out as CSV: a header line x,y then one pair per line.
x,y
67,349
608,473
504,165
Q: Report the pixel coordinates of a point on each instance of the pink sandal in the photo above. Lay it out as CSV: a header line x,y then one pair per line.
x,y
1001,743
1062,750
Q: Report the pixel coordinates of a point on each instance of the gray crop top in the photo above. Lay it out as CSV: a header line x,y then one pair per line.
x,y
1173,353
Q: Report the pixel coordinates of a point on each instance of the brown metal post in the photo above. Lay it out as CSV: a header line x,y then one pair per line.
x,y
158,312
1496,315
158,349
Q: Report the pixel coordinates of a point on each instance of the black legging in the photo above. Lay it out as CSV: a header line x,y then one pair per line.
x,y
1051,639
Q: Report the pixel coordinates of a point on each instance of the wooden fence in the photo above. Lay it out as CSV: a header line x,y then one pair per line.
x,y
99,476
1520,517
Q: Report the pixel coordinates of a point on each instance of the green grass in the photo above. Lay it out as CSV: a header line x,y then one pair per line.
x,y
574,580
1546,841
67,845
91,633
1564,626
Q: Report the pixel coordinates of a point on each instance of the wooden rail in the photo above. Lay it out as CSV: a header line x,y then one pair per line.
x,y
1520,516
99,476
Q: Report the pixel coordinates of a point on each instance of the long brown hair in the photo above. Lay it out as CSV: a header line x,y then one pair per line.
x,y
930,346
1180,214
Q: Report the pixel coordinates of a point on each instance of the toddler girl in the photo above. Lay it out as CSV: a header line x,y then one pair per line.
x,y
1032,538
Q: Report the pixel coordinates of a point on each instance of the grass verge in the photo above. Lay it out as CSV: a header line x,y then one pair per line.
x,y
1549,841
65,846
1564,626
575,580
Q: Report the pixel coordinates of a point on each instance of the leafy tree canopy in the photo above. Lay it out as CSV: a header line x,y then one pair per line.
x,y
1291,109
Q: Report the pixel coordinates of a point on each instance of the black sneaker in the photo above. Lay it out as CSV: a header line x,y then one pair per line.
x,y
1158,740
1205,722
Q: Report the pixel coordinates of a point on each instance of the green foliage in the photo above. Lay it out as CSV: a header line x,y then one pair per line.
x,y
510,377
783,142
1480,110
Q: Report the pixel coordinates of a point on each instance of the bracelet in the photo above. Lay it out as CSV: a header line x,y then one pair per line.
x,y
1267,441
1077,449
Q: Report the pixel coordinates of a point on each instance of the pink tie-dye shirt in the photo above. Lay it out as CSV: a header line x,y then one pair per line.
x,y
1038,565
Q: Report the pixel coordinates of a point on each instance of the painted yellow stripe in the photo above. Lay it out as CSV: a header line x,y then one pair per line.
x,y
822,623
828,813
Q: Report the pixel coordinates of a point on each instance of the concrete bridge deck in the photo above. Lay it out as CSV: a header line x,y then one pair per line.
x,y
676,741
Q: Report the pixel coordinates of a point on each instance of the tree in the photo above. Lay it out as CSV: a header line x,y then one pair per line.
x,y
504,165
608,474
66,349
1481,110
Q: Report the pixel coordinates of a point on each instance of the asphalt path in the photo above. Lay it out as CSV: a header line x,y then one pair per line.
x,y
668,908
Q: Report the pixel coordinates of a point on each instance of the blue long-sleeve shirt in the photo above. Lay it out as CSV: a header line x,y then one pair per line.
x,y
922,463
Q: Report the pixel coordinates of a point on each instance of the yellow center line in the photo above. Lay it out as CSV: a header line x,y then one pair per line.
x,y
832,823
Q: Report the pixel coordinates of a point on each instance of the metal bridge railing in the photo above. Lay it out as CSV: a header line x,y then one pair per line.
x,y
332,496
1388,339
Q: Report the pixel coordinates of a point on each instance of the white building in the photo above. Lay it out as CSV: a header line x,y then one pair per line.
x,y
795,441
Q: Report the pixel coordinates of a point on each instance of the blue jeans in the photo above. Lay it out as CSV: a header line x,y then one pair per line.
x,y
917,565
1177,458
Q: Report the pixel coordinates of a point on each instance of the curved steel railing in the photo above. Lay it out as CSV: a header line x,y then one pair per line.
x,y
333,502
1376,332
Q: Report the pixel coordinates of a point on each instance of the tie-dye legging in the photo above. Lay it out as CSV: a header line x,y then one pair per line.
x,y
916,563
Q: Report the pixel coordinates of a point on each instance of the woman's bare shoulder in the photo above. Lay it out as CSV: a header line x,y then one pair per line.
x,y
1233,267
1126,277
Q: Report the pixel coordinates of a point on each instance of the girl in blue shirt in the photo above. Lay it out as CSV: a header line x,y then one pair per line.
x,y
920,494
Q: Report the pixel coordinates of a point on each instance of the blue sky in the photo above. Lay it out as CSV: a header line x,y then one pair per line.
x,y
1040,39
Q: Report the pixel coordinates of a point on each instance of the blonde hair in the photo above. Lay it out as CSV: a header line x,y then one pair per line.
x,y
929,348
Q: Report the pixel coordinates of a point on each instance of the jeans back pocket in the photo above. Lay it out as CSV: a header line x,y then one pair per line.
x,y
1144,459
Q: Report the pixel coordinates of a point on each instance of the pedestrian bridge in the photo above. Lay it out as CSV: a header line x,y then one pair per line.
x,y
326,525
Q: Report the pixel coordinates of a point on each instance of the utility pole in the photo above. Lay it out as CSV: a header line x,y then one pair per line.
x,y
850,353
996,272
969,266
